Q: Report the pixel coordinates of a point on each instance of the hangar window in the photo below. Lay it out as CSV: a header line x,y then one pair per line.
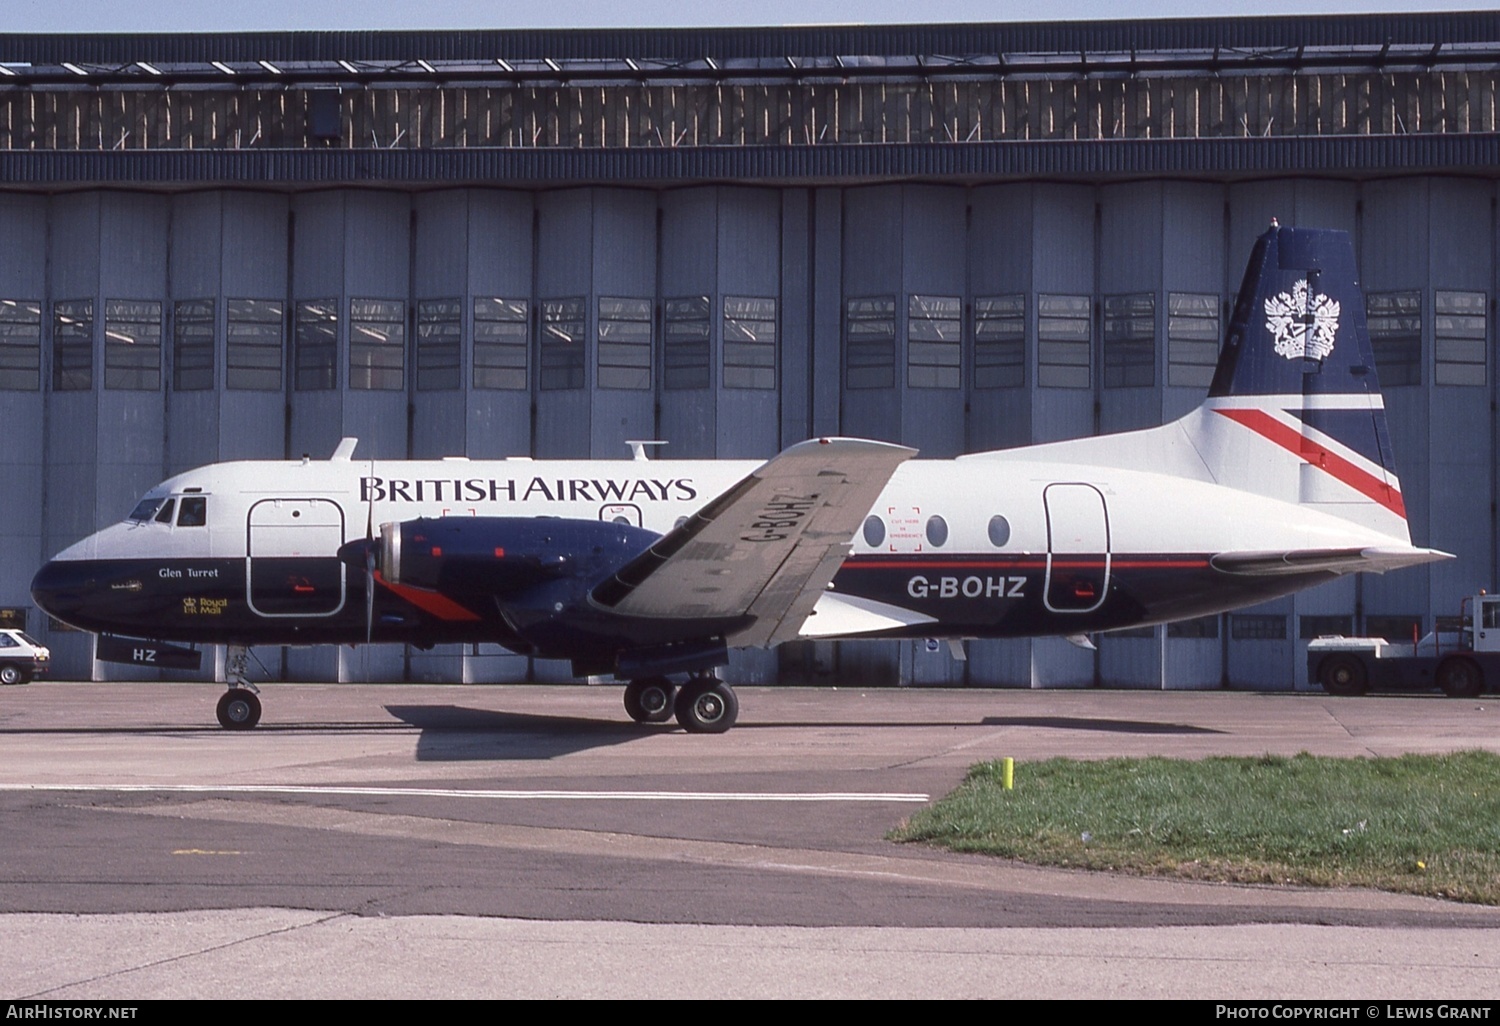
x,y
625,340
999,531
500,342
1130,340
439,340
1395,323
1000,341
377,343
317,343
72,345
132,344
870,342
874,532
750,338
1064,338
1192,338
1198,627
1394,628
937,531
1254,627
1459,333
253,350
934,341
193,345
685,345
20,344
1309,627
563,327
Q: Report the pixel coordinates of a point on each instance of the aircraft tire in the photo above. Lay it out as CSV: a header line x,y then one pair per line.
x,y
10,674
1460,678
239,709
1343,675
650,699
706,705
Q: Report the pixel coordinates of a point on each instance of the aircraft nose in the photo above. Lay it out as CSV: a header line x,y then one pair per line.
x,y
59,588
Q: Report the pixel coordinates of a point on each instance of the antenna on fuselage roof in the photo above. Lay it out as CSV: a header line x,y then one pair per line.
x,y
638,448
345,451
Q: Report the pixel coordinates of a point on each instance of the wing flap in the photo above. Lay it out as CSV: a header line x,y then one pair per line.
x,y
1374,559
768,547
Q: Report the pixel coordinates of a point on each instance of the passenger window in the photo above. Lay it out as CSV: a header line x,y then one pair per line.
x,y
6,641
999,531
194,512
937,531
165,516
874,532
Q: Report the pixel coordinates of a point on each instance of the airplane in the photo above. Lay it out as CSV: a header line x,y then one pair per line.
x,y
646,570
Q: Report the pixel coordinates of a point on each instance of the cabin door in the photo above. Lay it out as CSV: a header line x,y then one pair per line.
x,y
291,557
1078,556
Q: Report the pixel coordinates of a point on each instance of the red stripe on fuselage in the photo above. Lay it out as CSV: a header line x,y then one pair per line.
x,y
1137,563
439,606
1273,430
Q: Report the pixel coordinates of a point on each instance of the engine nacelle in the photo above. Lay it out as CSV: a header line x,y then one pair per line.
x,y
499,555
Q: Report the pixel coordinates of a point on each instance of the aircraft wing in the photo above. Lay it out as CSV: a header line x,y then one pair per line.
x,y
767,548
1376,559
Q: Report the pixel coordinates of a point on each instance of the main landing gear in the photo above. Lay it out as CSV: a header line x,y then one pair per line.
x,y
704,705
239,707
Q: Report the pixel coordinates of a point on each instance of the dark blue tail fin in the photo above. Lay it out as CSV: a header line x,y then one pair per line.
x,y
1299,330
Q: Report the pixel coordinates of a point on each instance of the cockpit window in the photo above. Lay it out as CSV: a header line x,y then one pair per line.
x,y
165,516
144,510
194,511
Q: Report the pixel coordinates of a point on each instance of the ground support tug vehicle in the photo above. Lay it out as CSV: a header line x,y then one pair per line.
x,y
1460,661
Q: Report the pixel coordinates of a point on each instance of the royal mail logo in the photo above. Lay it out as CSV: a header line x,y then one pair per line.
x,y
1302,329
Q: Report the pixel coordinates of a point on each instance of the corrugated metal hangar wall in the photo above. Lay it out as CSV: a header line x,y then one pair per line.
x,y
145,330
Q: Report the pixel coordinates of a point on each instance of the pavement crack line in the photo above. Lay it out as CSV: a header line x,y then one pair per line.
x,y
321,920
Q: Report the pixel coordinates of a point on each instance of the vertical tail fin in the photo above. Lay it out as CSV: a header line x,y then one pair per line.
x,y
1295,409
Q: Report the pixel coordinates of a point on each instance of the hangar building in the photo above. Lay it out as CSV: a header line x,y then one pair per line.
x,y
544,243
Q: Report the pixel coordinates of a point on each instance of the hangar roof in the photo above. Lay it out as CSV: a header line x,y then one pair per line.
x,y
1320,41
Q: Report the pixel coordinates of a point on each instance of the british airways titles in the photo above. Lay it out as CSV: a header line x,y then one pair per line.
x,y
536,489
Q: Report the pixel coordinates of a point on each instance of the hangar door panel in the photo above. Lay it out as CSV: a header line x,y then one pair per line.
x,y
1078,557
291,557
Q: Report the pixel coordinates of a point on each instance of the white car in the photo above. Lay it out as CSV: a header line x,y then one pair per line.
x,y
22,657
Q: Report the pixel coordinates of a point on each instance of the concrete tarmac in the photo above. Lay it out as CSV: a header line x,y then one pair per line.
x,y
465,841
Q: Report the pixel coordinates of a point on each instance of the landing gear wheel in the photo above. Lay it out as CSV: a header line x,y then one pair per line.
x,y
649,700
12,674
706,705
1460,678
1343,675
239,709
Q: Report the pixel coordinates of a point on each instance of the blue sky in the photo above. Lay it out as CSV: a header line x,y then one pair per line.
x,y
219,15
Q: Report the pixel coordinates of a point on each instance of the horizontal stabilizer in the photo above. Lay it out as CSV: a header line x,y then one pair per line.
x,y
1377,559
847,616
767,548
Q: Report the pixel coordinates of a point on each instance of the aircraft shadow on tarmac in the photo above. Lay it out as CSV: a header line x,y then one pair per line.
x,y
455,733
1097,725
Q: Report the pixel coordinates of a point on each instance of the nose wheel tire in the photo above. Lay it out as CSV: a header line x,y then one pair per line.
x,y
649,700
706,705
239,709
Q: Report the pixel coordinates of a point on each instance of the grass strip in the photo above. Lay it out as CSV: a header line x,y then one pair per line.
x,y
1417,824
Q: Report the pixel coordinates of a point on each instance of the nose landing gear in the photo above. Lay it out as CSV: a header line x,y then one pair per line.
x,y
239,707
